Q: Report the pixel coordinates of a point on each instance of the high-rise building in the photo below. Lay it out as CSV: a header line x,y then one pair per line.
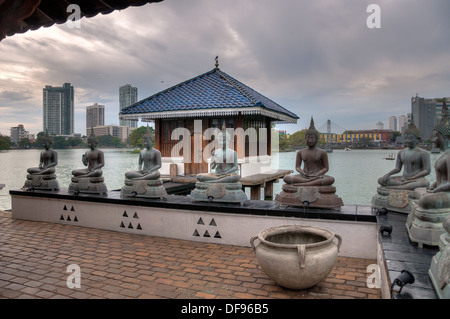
x,y
58,110
393,123
379,125
402,123
128,95
95,116
426,112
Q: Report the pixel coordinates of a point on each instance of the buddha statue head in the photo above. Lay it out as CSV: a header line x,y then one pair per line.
x,y
148,139
92,139
411,134
47,140
443,126
223,138
312,135
412,129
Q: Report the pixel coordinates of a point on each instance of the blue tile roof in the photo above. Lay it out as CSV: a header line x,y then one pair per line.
x,y
212,90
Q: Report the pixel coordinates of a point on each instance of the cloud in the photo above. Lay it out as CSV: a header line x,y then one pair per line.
x,y
14,96
313,57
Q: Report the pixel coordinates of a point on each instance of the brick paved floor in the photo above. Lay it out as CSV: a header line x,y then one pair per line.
x,y
34,257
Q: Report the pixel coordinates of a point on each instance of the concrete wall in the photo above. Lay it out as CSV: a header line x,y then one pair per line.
x,y
359,238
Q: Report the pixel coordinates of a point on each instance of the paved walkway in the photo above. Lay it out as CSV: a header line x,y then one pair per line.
x,y
34,258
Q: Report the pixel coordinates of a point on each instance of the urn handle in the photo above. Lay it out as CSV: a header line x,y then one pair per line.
x,y
301,250
252,242
339,241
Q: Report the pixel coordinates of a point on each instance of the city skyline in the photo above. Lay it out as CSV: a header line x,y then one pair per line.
x,y
315,59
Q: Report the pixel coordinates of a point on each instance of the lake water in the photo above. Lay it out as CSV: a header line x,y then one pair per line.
x,y
355,172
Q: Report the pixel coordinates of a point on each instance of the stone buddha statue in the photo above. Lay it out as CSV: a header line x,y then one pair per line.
x,y
439,271
224,162
222,183
433,205
315,163
89,179
311,186
395,192
146,181
439,191
414,160
43,177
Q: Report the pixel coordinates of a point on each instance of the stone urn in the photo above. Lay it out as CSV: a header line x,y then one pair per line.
x,y
295,256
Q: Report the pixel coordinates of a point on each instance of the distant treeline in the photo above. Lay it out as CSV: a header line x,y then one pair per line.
x,y
297,141
5,143
62,142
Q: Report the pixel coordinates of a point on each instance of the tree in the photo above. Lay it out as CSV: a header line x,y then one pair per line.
x,y
74,141
108,140
24,143
136,135
5,143
395,135
297,140
283,143
60,142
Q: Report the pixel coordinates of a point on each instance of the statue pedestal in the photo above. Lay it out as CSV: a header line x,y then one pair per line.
x,y
439,271
90,185
143,188
309,196
218,192
396,200
42,182
425,225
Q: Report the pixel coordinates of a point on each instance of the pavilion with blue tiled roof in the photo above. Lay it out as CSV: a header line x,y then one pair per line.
x,y
215,98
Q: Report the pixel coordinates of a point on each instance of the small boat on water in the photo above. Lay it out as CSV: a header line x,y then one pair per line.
x,y
390,157
348,149
435,150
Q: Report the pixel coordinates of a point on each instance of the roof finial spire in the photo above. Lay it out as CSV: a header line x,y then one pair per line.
x,y
217,61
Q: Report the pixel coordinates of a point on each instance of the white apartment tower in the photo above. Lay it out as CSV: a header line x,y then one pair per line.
x,y
393,123
18,133
402,123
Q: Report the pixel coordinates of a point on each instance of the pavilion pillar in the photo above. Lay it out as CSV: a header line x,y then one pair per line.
x,y
269,136
240,147
158,134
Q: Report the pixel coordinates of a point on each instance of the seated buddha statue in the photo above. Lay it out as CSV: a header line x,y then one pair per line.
x,y
315,163
43,176
414,161
146,181
439,270
89,179
433,205
224,163
311,186
222,183
149,161
438,194
395,192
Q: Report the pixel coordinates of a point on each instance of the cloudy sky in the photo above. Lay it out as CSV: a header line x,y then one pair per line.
x,y
315,58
